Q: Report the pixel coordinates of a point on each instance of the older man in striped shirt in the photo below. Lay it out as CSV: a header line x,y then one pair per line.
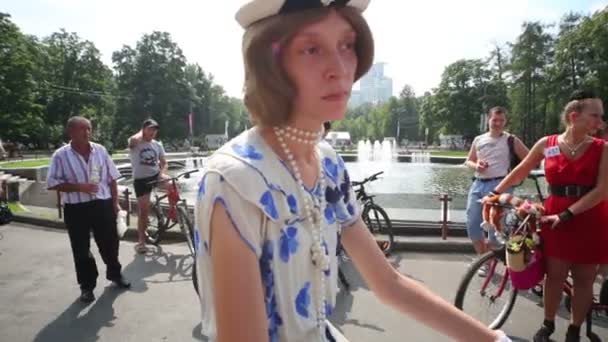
x,y
86,176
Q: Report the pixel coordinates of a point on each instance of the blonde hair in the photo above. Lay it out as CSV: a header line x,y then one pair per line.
x,y
268,92
577,106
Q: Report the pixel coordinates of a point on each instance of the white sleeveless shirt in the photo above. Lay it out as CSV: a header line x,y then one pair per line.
x,y
495,151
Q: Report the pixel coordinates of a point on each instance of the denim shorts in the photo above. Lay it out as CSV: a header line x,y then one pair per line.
x,y
474,218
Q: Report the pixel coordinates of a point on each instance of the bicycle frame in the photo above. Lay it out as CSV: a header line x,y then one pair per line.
x,y
173,196
503,282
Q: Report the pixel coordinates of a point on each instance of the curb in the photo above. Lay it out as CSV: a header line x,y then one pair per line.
x,y
434,244
439,246
130,234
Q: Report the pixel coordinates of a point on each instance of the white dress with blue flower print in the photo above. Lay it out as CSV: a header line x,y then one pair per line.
x,y
265,204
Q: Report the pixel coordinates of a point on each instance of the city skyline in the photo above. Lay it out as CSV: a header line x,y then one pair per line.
x,y
375,87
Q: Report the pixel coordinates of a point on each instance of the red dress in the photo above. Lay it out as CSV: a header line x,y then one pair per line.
x,y
584,238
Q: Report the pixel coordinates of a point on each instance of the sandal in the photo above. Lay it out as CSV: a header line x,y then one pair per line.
x,y
141,248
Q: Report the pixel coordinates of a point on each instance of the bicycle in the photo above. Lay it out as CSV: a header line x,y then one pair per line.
x,y
374,216
177,214
498,275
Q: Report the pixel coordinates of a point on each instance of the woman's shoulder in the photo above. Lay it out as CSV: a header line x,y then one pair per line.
x,y
239,154
599,142
548,140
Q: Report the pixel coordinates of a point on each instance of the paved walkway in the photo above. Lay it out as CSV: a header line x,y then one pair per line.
x,y
38,295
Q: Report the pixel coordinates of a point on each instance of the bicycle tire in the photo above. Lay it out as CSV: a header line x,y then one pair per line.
x,y
502,317
378,227
604,294
568,303
157,224
187,229
185,224
195,277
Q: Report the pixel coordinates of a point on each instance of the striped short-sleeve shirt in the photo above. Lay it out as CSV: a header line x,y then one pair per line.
x,y
68,166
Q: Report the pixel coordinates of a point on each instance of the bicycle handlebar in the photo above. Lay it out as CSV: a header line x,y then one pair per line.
x,y
368,179
535,174
183,174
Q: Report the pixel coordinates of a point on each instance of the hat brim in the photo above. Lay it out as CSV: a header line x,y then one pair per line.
x,y
257,10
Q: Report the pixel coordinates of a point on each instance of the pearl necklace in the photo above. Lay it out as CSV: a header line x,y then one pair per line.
x,y
302,136
319,257
574,149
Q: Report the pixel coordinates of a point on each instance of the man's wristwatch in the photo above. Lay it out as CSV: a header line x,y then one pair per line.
x,y
502,337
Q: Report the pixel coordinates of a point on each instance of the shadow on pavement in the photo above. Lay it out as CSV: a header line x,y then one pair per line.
x,y
171,268
345,299
70,325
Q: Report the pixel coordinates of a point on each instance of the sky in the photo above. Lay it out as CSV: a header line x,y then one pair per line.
x,y
416,38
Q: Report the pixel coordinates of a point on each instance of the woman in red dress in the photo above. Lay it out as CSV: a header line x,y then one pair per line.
x,y
575,229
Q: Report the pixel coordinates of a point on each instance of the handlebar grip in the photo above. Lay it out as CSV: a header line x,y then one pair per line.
x,y
374,176
187,173
534,174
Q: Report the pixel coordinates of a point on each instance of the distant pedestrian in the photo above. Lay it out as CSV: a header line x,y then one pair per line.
x,y
491,157
86,175
148,162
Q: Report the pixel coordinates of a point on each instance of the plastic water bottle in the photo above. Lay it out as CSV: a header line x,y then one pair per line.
x,y
121,224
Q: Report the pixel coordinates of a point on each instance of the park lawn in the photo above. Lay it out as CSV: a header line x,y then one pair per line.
x,y
42,162
25,163
16,207
450,153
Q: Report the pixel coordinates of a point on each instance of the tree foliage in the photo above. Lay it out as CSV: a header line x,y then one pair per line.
x,y
532,77
45,81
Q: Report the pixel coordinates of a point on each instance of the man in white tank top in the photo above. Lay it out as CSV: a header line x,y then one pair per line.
x,y
490,157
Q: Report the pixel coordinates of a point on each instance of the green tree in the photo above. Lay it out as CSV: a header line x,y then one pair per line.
x,y
74,81
405,114
152,76
20,115
531,54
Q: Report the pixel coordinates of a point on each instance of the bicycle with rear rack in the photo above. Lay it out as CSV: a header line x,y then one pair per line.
x,y
375,218
493,296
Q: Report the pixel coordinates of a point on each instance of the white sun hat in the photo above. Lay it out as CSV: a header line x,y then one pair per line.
x,y
255,10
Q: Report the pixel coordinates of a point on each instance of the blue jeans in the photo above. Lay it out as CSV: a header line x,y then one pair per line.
x,y
474,218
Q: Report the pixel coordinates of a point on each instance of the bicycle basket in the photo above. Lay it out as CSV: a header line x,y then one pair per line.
x,y
525,262
531,275
523,254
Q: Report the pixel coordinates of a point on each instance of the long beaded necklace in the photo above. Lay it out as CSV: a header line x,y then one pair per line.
x,y
319,258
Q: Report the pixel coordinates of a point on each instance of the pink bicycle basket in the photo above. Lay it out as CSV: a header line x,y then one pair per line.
x,y
531,275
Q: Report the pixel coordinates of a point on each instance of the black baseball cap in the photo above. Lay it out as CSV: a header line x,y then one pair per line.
x,y
150,123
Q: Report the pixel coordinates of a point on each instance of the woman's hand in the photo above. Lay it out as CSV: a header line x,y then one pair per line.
x,y
486,199
553,219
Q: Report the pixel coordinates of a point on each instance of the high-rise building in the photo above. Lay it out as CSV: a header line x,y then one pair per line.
x,y
374,87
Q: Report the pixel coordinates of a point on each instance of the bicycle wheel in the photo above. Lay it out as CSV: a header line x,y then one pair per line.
x,y
195,277
604,294
489,299
341,255
377,221
185,224
157,224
